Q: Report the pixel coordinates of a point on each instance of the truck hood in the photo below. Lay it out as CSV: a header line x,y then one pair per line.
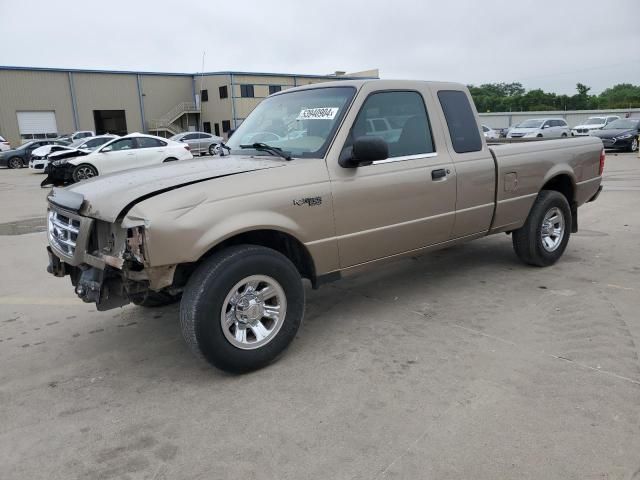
x,y
106,197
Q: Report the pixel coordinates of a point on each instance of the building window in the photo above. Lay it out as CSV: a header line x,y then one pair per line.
x,y
246,91
226,125
204,95
207,127
224,93
274,89
216,129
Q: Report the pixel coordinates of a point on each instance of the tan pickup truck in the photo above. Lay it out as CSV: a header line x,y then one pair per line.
x,y
309,187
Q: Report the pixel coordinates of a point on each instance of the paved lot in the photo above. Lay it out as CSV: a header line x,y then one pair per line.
x,y
461,364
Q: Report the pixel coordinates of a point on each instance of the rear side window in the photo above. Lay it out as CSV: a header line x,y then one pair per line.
x,y
463,128
146,142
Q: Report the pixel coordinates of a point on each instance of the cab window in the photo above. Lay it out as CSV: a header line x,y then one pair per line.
x,y
400,119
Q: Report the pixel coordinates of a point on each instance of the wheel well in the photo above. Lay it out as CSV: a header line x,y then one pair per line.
x,y
282,242
563,184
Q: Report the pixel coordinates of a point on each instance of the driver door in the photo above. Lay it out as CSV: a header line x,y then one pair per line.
x,y
400,204
119,155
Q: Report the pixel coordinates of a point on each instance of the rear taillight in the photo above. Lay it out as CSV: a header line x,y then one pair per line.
x,y
187,147
602,158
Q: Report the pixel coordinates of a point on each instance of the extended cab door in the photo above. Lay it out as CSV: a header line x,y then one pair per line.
x,y
475,167
399,204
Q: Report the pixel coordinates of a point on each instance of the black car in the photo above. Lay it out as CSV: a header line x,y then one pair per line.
x,y
19,157
620,134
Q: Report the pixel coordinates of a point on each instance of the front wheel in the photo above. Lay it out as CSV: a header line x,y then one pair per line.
x,y
15,162
84,172
214,149
634,145
564,135
242,307
541,241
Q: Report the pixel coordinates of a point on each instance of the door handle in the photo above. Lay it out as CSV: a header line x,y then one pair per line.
x,y
438,174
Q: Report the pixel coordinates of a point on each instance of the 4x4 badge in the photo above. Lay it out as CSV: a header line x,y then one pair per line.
x,y
310,201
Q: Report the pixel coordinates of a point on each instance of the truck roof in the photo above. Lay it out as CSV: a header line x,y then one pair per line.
x,y
383,84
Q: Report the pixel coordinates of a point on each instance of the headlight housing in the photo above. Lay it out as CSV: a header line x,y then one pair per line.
x,y
58,163
624,136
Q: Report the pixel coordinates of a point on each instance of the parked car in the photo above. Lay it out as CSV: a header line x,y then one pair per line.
x,y
232,239
490,133
69,138
200,142
40,156
122,153
592,123
540,127
92,143
19,157
4,145
621,134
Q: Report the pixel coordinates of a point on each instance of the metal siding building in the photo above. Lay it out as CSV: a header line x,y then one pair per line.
x,y
119,102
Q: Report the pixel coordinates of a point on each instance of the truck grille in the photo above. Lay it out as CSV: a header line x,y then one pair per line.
x,y
63,232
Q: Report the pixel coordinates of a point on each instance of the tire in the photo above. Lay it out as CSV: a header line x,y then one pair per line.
x,y
215,291
153,299
563,135
634,145
539,135
213,149
529,242
15,162
84,171
170,159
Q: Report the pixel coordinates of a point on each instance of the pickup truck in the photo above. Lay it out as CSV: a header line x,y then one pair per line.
x,y
231,237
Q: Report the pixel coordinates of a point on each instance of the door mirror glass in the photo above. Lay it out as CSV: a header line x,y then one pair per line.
x,y
106,149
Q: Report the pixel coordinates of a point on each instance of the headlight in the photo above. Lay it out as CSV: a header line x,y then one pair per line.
x,y
57,163
626,135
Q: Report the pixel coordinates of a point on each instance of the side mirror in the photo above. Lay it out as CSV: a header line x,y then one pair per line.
x,y
107,149
545,126
365,150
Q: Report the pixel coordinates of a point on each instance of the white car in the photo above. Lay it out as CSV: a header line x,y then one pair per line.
x,y
92,143
40,156
540,127
490,133
4,145
592,123
122,153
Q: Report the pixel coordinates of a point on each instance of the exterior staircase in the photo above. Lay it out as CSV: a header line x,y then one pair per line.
x,y
168,122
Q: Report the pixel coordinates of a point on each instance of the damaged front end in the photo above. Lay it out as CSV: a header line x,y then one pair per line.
x,y
107,262
59,171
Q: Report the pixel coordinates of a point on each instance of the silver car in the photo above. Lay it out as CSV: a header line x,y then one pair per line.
x,y
199,142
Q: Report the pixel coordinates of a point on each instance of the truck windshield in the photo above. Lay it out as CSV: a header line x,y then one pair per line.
x,y
301,123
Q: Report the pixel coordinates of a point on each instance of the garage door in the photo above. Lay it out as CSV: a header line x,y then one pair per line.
x,y
37,123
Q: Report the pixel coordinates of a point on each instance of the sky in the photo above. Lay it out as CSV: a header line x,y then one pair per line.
x,y
542,44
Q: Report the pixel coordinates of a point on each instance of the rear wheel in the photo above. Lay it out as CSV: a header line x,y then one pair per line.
x,y
213,149
634,145
84,171
543,238
15,162
564,135
242,307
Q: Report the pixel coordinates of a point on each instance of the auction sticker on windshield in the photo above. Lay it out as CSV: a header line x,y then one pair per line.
x,y
322,113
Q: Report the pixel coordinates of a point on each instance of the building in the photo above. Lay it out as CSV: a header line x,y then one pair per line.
x,y
47,102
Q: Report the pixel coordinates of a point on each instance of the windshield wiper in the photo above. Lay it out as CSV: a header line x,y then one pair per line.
x,y
263,147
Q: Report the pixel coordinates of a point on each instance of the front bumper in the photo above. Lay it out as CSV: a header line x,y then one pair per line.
x,y
617,143
38,165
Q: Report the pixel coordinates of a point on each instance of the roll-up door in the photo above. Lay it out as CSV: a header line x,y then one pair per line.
x,y
37,123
